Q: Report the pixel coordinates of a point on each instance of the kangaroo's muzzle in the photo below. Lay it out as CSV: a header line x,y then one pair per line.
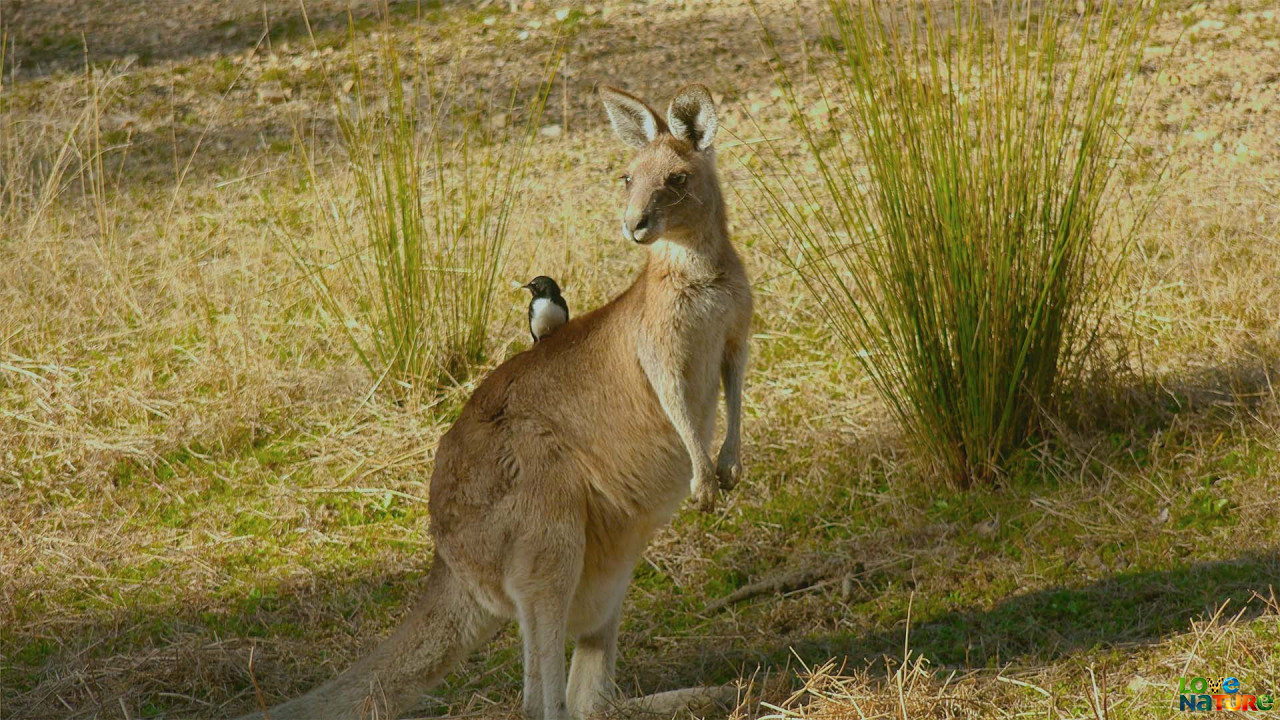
x,y
640,227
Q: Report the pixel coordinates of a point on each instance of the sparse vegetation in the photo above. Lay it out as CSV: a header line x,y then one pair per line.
x,y
202,492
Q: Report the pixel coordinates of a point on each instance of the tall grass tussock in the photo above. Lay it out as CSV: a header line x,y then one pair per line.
x,y
415,247
959,217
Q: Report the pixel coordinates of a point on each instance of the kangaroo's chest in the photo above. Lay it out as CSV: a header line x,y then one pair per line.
x,y
686,333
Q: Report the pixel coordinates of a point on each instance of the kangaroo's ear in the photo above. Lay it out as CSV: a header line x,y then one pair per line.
x,y
634,121
692,116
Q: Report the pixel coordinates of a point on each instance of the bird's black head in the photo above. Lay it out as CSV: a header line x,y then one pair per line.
x,y
543,287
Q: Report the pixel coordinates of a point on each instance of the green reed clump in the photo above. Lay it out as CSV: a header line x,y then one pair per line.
x,y
416,246
954,211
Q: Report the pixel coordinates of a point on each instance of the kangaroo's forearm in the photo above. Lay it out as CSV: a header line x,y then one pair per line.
x,y
733,375
672,395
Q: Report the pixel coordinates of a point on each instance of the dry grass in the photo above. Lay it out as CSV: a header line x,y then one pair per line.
x,y
1109,689
1116,690
193,469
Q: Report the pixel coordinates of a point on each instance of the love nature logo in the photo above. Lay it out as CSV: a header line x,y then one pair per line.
x,y
1199,694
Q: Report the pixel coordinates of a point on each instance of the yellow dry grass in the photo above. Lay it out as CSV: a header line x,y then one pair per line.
x,y
193,467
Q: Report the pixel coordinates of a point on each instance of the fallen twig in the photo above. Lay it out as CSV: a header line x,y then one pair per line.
x,y
698,701
780,583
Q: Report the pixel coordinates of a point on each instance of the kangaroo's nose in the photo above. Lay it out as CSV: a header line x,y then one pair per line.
x,y
636,227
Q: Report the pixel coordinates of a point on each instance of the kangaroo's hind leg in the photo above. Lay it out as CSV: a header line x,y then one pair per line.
x,y
594,656
544,574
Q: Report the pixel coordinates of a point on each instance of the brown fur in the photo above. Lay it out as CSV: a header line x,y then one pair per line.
x,y
570,455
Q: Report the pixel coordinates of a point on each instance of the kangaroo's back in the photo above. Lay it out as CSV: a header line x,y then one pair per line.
x,y
574,423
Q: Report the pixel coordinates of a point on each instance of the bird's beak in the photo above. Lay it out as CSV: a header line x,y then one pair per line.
x,y
515,285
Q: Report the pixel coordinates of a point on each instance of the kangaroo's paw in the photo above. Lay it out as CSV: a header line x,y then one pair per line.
x,y
704,493
728,470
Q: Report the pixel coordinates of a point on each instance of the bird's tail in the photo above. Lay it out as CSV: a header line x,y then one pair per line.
x,y
443,628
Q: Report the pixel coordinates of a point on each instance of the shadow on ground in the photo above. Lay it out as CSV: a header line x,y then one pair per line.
x,y
52,35
1030,628
1212,396
1037,627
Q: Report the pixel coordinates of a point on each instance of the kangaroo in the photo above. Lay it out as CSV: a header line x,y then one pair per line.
x,y
570,455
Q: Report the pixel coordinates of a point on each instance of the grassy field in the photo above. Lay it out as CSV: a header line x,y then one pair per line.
x,y
202,500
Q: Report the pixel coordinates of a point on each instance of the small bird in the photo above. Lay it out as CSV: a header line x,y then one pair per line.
x,y
547,310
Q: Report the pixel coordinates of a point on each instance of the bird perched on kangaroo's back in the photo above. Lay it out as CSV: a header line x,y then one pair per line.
x,y
547,309
570,455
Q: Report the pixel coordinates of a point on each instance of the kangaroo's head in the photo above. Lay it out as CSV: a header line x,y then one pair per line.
x,y
671,185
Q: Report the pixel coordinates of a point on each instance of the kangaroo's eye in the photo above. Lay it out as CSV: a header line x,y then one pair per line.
x,y
626,180
677,180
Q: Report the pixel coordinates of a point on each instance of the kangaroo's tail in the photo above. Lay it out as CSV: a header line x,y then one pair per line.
x,y
443,628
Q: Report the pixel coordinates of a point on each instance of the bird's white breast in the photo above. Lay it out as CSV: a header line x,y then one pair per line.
x,y
547,316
